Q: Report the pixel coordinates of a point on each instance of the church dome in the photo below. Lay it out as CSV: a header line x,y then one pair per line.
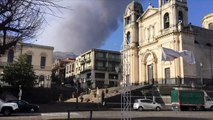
x,y
208,21
134,6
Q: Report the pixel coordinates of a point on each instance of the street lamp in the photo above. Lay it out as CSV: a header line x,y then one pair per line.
x,y
201,74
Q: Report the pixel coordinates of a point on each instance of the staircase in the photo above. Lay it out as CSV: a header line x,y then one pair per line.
x,y
95,95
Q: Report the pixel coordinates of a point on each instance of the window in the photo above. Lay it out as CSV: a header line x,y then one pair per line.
x,y
29,59
10,56
166,20
128,37
211,26
100,65
99,75
113,76
180,16
167,75
73,67
128,20
43,62
41,81
99,55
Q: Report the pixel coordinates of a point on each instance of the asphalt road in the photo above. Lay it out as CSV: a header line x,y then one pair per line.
x,y
114,115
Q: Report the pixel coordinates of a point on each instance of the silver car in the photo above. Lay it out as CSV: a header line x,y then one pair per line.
x,y
146,104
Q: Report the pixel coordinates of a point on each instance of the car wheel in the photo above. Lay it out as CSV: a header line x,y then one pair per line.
x,y
158,109
7,111
32,110
140,108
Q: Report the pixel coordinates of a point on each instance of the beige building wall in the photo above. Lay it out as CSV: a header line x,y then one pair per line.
x,y
37,51
154,33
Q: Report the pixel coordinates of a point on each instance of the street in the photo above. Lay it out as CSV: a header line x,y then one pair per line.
x,y
114,115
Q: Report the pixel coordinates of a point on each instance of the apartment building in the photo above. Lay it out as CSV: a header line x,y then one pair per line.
x,y
62,70
97,67
41,57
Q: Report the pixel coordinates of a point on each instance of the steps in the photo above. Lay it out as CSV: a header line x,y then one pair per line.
x,y
108,92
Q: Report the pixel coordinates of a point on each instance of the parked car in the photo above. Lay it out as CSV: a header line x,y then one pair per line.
x,y
7,108
146,104
24,106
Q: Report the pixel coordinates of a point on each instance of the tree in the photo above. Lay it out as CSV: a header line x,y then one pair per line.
x,y
21,19
20,73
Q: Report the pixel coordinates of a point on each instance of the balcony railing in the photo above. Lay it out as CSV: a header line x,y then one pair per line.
x,y
101,58
114,59
111,69
100,68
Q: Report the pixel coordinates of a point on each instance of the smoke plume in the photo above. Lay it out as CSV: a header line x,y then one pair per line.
x,y
86,26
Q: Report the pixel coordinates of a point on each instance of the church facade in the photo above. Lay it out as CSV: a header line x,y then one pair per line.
x,y
147,32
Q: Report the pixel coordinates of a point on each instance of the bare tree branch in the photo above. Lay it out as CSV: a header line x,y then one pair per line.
x,y
21,19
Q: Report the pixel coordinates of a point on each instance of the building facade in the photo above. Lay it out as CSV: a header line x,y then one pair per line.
x,y
61,71
96,68
147,32
41,57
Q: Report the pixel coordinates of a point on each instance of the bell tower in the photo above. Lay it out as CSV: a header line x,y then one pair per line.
x,y
131,41
172,13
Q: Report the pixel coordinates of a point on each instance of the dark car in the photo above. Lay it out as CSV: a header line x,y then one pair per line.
x,y
24,106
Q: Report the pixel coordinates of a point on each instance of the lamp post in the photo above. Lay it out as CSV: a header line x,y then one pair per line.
x,y
201,74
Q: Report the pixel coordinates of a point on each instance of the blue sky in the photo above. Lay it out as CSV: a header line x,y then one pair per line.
x,y
197,9
99,24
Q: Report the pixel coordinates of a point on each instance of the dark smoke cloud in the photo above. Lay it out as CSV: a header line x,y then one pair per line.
x,y
87,26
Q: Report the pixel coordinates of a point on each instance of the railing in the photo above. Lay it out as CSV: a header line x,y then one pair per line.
x,y
114,59
101,58
100,68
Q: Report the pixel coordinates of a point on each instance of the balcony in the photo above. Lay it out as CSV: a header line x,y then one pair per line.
x,y
87,60
100,68
101,58
86,69
114,59
111,69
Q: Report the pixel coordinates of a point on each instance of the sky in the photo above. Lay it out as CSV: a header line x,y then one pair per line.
x,y
89,24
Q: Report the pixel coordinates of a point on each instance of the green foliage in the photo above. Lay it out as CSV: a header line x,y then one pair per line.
x,y
57,79
20,73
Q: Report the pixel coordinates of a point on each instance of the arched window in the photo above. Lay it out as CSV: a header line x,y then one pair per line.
x,y
41,80
128,20
180,16
10,56
211,26
128,37
166,20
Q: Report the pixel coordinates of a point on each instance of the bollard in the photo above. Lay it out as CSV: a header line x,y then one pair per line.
x,y
90,114
68,115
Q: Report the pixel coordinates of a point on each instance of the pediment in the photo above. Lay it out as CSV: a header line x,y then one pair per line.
x,y
148,13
